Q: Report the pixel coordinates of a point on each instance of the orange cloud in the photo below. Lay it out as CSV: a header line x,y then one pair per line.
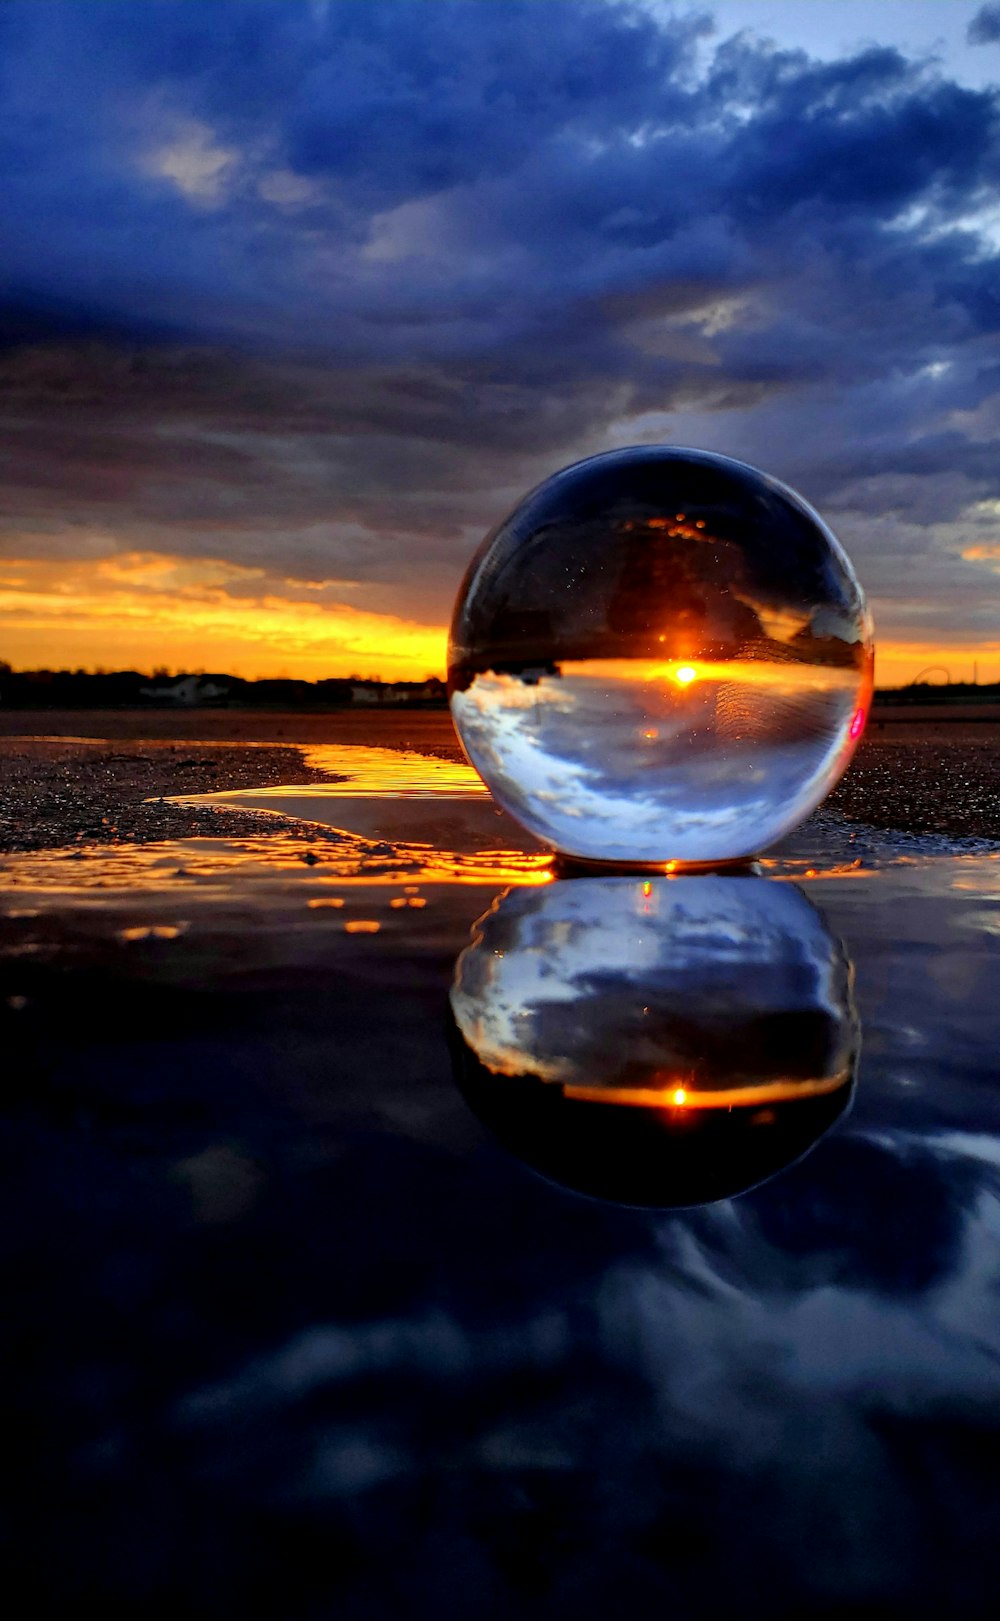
x,y
142,609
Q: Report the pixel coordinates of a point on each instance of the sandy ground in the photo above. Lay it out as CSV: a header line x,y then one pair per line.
x,y
98,777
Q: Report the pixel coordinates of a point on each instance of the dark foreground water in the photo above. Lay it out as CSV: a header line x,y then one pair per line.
x,y
289,1333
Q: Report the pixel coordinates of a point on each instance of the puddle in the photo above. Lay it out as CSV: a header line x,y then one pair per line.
x,y
391,773
405,796
356,772
387,795
253,866
389,817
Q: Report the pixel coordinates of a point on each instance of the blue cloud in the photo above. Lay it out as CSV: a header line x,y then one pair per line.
x,y
984,29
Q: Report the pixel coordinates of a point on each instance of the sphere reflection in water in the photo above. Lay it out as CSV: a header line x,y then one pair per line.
x,y
660,655
666,1042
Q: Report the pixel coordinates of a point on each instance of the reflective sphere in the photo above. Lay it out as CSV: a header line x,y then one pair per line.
x,y
661,655
662,1043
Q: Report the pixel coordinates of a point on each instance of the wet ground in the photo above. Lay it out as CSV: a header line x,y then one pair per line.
x,y
291,1333
110,777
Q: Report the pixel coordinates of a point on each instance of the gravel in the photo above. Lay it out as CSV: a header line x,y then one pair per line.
x,y
70,792
920,781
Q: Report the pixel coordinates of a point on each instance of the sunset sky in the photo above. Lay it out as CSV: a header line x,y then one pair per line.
x,y
300,296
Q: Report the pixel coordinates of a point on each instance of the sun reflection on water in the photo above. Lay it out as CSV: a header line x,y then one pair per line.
x,y
372,773
189,865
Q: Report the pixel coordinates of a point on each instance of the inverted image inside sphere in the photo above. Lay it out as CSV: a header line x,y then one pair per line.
x,y
661,654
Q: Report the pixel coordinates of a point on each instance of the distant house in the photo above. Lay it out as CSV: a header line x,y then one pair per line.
x,y
392,694
187,693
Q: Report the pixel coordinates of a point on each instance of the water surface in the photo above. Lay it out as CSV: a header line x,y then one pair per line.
x,y
292,1332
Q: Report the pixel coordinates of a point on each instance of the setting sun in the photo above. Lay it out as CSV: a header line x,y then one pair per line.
x,y
685,674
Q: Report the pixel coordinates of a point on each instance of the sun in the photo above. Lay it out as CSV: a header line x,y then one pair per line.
x,y
685,674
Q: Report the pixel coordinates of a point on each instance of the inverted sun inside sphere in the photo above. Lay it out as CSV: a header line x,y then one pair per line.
x,y
660,655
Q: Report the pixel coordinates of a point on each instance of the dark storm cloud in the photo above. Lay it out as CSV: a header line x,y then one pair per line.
x,y
984,28
339,280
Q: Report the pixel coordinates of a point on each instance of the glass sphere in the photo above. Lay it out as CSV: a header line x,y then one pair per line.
x,y
660,655
667,1042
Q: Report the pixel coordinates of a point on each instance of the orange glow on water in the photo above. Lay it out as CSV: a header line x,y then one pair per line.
x,y
266,866
369,772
